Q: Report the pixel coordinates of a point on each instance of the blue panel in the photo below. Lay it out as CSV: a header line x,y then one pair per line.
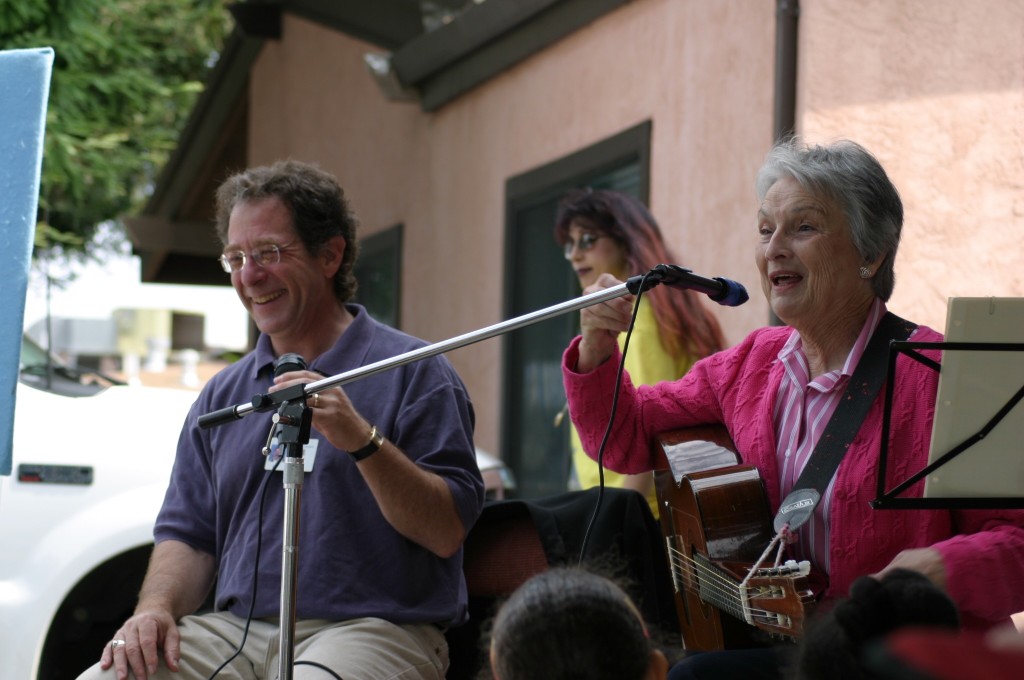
x,y
24,90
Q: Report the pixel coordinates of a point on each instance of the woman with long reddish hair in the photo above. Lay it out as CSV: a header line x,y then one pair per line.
x,y
605,231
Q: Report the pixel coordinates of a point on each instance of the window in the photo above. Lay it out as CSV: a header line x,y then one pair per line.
x,y
537,276
378,271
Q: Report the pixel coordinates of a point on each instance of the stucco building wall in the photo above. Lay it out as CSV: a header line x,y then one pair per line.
x,y
934,88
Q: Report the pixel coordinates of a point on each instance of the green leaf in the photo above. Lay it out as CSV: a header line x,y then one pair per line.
x,y
125,78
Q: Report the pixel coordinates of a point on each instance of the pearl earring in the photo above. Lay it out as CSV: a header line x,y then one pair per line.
x,y
865,273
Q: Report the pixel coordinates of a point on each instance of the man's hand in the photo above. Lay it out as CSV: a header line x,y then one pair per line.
x,y
177,581
417,503
333,413
138,642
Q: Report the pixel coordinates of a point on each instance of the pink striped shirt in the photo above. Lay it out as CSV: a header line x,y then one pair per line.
x,y
802,411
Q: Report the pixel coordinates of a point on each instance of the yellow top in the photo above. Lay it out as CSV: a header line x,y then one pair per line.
x,y
647,363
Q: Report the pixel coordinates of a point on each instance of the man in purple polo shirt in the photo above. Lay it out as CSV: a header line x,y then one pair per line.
x,y
390,489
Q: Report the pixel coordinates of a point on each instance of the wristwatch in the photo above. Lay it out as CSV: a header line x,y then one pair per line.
x,y
376,441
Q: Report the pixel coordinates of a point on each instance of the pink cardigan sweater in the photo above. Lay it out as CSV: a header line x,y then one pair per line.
x,y
983,550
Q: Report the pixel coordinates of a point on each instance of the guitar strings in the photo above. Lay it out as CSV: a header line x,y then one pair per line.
x,y
725,593
728,584
714,582
722,581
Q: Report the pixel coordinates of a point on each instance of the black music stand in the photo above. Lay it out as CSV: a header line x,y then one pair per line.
x,y
888,500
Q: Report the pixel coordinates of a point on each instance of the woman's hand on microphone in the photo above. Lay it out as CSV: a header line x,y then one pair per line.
x,y
601,324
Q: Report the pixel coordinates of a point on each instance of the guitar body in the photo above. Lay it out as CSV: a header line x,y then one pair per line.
x,y
716,522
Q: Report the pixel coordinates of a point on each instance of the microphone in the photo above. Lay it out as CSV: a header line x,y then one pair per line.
x,y
283,364
721,290
286,363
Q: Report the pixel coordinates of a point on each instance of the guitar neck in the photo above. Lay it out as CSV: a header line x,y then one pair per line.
x,y
719,588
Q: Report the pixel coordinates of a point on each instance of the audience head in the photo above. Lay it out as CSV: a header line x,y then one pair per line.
x,y
833,646
568,623
846,173
318,206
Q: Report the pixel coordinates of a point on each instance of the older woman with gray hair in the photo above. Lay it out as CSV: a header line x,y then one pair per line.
x,y
828,228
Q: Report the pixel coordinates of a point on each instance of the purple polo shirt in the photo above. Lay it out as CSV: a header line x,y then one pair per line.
x,y
351,563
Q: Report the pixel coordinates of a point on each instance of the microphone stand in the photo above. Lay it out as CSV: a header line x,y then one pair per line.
x,y
293,420
296,416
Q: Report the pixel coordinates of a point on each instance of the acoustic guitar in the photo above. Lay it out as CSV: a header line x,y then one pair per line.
x,y
716,524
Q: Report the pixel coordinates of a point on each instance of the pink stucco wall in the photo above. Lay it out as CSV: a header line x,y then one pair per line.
x,y
933,87
936,89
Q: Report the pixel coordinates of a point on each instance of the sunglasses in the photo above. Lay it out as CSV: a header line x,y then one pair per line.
x,y
586,242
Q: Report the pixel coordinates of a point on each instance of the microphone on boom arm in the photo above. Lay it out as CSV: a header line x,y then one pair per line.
x,y
283,364
286,363
721,290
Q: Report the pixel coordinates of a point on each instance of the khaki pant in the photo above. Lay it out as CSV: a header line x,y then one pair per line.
x,y
361,649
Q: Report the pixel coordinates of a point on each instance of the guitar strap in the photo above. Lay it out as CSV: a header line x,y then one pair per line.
x,y
864,386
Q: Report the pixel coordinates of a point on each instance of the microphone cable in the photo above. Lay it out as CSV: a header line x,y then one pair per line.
x,y
284,364
264,486
611,421
262,492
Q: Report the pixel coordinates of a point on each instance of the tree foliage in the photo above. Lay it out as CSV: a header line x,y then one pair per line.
x,y
126,75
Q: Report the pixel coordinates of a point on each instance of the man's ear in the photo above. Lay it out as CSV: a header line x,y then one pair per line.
x,y
331,254
657,666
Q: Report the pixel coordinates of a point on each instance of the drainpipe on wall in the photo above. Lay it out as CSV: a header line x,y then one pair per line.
x,y
787,13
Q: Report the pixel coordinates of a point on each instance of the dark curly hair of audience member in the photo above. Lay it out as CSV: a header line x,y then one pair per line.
x,y
833,646
685,326
567,623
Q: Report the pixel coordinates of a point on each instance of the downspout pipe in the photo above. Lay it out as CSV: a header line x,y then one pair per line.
x,y
787,13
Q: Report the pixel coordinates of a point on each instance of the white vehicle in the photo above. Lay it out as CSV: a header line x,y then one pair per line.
x,y
91,464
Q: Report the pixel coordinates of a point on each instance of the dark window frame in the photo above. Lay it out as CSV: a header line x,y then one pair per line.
x,y
547,182
388,243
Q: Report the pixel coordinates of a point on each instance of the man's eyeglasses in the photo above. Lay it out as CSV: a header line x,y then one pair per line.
x,y
233,260
586,242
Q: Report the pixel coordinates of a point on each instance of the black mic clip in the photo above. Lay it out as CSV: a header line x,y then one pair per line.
x,y
286,363
293,418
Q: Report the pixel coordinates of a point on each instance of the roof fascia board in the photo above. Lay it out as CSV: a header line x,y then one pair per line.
x,y
457,74
490,38
161,234
386,23
473,28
